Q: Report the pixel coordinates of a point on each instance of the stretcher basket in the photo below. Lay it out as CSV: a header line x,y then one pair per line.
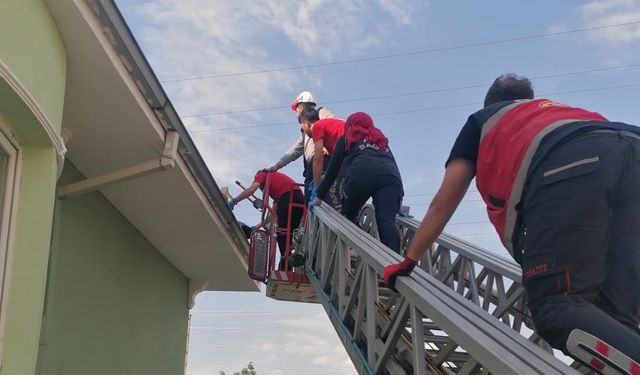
x,y
284,284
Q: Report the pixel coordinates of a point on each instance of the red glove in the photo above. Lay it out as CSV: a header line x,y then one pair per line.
x,y
403,268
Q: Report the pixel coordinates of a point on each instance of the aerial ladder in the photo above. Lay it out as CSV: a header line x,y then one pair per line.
x,y
463,311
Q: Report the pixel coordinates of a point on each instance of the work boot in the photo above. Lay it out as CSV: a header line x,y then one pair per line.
x,y
296,260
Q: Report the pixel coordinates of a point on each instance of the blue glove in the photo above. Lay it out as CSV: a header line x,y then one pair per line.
x,y
314,203
231,204
314,196
253,228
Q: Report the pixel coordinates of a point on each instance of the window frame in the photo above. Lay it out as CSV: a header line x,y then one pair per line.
x,y
10,146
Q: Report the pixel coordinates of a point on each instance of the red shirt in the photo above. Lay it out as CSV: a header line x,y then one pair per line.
x,y
279,184
328,130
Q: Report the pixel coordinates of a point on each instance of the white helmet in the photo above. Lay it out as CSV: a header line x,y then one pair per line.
x,y
303,97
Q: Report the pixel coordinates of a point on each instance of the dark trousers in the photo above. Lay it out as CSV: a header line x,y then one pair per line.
x,y
387,193
282,210
581,259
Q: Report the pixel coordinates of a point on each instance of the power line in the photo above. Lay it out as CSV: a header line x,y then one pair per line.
x,y
424,92
403,54
428,109
244,127
480,103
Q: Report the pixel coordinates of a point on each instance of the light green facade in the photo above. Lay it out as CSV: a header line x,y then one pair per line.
x,y
33,54
114,304
31,47
28,269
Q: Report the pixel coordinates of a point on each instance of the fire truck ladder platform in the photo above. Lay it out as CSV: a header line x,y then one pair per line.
x,y
462,312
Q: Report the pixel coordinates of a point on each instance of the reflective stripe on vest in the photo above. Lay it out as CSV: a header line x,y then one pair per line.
x,y
509,139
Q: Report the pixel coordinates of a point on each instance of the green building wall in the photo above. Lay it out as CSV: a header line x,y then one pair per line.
x,y
32,48
32,54
91,295
28,268
114,304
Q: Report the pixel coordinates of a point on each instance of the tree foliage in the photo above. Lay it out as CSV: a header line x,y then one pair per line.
x,y
249,370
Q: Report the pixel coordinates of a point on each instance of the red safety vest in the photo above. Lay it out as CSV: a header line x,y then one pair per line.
x,y
508,142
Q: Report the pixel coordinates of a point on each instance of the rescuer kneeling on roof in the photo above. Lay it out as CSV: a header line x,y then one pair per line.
x,y
562,188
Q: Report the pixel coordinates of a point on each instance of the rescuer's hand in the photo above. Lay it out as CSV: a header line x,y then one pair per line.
x,y
313,198
273,168
314,203
403,268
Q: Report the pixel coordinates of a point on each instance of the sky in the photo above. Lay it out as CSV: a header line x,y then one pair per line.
x,y
233,67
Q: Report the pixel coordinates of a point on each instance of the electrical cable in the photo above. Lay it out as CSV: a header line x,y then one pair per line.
x,y
403,54
423,92
426,109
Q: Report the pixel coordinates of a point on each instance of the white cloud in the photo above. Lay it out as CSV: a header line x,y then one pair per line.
x,y
612,12
323,29
206,370
400,10
320,360
598,13
305,343
196,38
268,347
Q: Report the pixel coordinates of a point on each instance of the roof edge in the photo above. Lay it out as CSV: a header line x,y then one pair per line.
x,y
138,66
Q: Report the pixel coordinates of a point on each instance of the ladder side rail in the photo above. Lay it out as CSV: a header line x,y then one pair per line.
x,y
509,304
455,262
486,343
504,266
512,297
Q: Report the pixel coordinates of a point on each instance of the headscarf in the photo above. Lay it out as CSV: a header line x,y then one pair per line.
x,y
360,126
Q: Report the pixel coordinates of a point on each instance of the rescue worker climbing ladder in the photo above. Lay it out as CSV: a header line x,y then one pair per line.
x,y
364,155
562,188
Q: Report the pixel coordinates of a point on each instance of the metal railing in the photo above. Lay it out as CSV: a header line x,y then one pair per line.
x,y
459,314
